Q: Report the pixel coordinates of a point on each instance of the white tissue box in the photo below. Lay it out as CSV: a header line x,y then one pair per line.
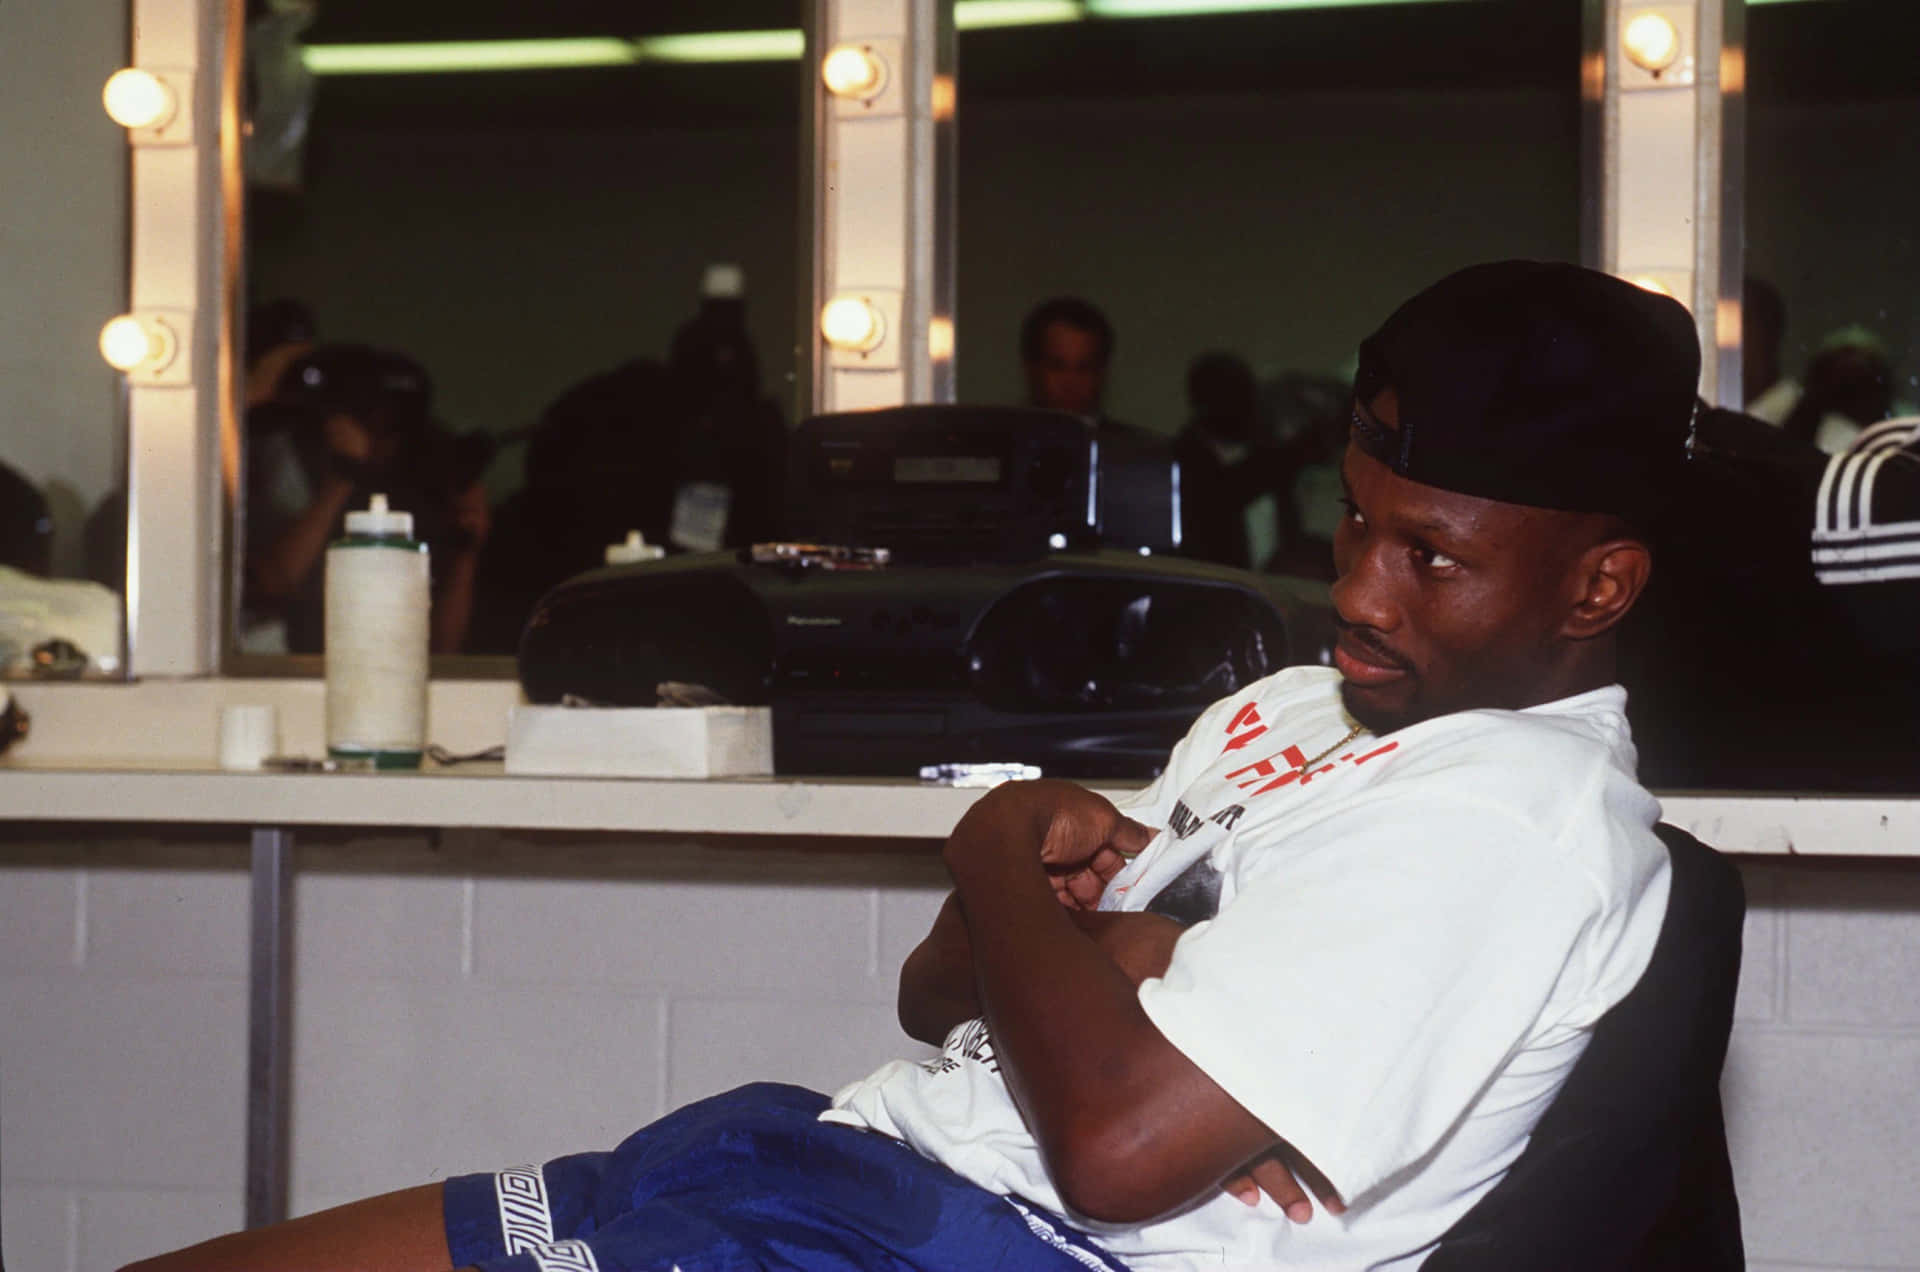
x,y
640,741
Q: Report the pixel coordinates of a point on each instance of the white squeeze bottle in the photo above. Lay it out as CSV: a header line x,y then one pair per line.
x,y
378,598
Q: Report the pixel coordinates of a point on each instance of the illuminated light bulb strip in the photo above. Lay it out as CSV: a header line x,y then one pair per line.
x,y
944,98
852,324
940,338
137,343
852,70
137,98
1651,42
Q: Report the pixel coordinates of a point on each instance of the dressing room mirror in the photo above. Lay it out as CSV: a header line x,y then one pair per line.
x,y
1831,362
527,270
1785,620
63,271
1243,196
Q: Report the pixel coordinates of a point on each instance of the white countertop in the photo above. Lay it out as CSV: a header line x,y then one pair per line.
x,y
482,795
143,752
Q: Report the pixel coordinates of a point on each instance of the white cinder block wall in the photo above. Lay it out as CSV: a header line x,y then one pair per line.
x,y
474,1001
1822,1085
462,1004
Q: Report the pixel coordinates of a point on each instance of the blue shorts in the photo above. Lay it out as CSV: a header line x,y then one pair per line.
x,y
751,1179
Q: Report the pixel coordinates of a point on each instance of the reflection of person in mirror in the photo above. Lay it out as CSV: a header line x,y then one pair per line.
x,y
598,465
730,444
689,453
337,424
1847,385
1236,484
1820,555
48,625
1866,546
1066,352
1449,821
26,525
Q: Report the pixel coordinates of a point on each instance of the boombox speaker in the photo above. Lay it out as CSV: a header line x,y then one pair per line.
x,y
1089,665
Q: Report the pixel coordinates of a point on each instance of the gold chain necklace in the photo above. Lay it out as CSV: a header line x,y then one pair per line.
x,y
1352,733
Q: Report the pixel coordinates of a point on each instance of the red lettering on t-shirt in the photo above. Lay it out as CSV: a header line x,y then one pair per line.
x,y
1246,716
1374,754
1270,772
1266,768
1234,744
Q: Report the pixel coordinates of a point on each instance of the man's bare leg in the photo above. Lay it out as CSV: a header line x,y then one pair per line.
x,y
402,1231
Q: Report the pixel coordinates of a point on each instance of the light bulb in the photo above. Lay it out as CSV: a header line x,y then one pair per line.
x,y
851,323
138,99
130,342
853,70
1652,284
1651,42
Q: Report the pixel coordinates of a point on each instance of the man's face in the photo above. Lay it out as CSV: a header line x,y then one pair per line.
x,y
1068,375
1446,602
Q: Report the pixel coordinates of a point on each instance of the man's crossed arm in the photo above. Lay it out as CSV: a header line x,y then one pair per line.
x,y
1129,1127
938,988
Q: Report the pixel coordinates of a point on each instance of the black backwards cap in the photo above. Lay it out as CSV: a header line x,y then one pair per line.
x,y
1537,383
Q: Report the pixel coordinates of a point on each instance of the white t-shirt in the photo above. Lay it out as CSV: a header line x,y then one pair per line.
x,y
1412,942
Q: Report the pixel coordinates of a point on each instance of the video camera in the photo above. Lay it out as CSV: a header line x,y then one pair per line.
x,y
388,394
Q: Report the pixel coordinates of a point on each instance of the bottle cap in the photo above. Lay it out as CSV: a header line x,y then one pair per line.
x,y
636,548
380,522
723,281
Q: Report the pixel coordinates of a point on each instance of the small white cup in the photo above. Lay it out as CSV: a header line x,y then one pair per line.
x,y
249,733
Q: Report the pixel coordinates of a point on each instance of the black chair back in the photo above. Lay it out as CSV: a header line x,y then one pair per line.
x,y
1628,1168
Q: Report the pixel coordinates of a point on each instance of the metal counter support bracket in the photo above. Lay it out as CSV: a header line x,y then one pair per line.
x,y
269,1025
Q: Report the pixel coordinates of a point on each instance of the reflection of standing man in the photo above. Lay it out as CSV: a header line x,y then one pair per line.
x,y
730,450
1235,486
1066,347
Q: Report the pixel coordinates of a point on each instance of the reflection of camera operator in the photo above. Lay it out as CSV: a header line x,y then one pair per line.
x,y
343,422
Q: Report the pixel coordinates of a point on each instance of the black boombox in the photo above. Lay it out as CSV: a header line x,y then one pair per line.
x,y
969,636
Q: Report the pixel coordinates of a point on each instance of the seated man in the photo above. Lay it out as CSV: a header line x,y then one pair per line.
x,y
1413,881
